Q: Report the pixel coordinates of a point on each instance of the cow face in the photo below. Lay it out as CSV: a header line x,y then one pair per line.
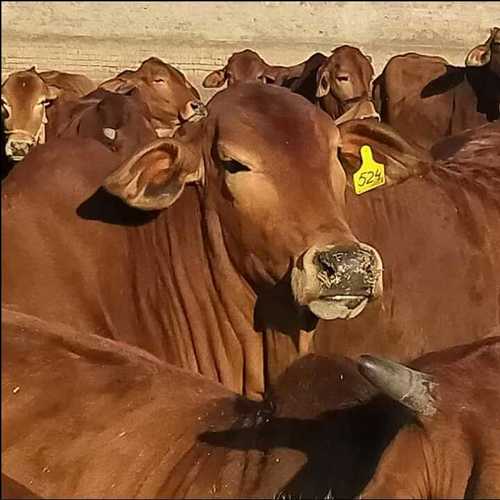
x,y
346,75
244,66
487,53
25,97
169,95
273,191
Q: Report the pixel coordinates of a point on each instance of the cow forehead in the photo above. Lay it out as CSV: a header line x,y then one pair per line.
x,y
273,120
23,86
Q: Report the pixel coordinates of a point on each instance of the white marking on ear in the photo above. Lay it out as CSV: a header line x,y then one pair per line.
x,y
110,133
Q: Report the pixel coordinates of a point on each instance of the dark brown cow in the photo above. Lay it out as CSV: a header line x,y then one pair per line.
x,y
25,96
452,449
210,284
341,82
438,233
169,95
123,424
425,99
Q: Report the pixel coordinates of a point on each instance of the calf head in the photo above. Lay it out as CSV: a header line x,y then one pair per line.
x,y
122,122
345,80
266,164
25,97
244,66
170,97
487,53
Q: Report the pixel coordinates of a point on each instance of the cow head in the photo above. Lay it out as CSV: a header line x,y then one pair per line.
x,y
171,98
244,66
487,53
266,164
122,122
346,79
25,97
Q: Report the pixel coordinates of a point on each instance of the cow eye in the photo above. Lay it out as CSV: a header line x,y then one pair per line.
x,y
233,166
5,109
158,80
342,78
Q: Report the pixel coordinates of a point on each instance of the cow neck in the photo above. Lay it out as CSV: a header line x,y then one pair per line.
x,y
189,289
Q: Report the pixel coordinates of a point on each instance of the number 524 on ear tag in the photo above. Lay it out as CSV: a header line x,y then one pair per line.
x,y
370,175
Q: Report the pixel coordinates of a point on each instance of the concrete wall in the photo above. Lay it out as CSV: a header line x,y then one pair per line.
x,y
102,38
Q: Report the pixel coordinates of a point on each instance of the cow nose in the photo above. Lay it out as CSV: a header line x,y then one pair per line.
x,y
337,281
345,270
17,149
194,111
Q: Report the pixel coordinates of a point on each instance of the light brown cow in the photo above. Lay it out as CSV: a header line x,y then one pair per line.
x,y
25,97
344,85
341,83
169,95
209,283
451,446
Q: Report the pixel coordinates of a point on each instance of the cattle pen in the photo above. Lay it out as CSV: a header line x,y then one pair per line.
x,y
100,39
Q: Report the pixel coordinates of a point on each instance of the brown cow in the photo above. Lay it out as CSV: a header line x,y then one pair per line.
x,y
169,95
341,82
344,85
123,424
438,232
452,448
210,284
25,97
425,99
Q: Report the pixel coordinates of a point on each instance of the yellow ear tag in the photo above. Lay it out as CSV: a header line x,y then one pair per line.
x,y
370,175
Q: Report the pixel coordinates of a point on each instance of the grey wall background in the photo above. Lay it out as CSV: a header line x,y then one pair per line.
x,y
102,38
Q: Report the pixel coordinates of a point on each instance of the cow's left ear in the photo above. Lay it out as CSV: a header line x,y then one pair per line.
x,y
215,79
479,56
401,160
155,177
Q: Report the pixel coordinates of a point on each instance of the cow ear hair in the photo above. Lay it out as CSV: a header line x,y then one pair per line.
x,y
155,176
323,87
401,160
479,56
215,79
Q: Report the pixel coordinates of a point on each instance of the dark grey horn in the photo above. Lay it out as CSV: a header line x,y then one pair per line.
x,y
411,388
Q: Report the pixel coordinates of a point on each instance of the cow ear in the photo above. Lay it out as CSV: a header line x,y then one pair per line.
x,y
323,87
155,177
119,86
215,79
479,56
401,160
53,92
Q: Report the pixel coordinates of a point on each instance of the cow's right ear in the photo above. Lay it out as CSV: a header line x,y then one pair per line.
x,y
479,56
215,79
401,160
155,177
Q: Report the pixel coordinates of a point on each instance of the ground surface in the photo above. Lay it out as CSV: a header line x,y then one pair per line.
x,y
102,38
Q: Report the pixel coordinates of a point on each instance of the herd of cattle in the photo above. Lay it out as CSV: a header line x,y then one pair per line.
x,y
196,303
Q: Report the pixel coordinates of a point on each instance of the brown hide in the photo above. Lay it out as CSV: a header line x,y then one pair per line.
x,y
439,237
455,452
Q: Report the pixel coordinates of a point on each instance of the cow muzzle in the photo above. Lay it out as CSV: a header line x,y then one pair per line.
x,y
337,281
194,111
17,148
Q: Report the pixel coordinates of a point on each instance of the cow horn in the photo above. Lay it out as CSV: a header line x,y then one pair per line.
x,y
411,388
